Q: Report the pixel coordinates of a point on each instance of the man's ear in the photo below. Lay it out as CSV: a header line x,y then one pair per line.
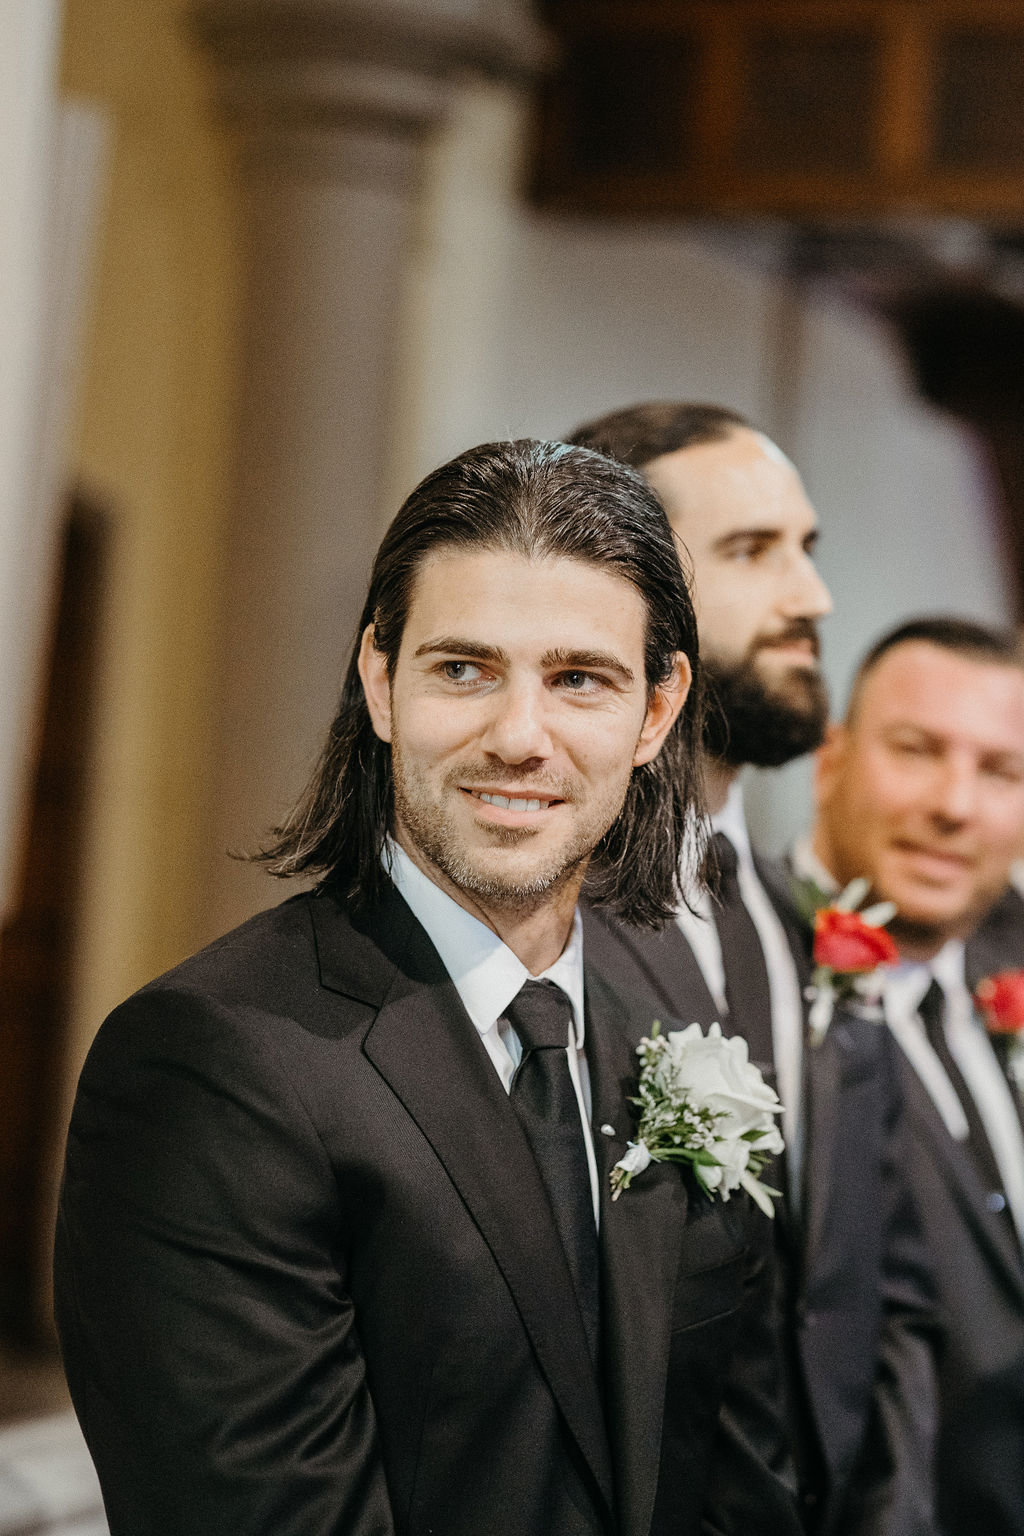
x,y
828,761
669,698
373,670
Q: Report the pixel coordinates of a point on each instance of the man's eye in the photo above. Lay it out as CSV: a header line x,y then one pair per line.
x,y
747,550
579,682
913,748
461,671
1009,772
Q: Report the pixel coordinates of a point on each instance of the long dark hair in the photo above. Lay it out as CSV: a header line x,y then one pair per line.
x,y
536,499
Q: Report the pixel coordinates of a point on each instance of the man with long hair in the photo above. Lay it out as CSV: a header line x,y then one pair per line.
x,y
337,1254
855,1305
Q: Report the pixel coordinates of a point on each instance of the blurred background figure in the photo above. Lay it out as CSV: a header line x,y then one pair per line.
x,y
921,791
267,262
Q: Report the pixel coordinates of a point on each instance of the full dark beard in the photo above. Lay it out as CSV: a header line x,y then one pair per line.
x,y
751,721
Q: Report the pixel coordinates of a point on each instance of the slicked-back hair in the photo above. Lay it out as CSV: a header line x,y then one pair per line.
x,y
538,500
963,637
640,433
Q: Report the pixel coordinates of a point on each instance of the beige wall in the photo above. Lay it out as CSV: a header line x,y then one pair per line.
x,y
151,448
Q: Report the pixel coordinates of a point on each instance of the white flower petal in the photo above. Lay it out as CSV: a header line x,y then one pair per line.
x,y
758,1193
850,899
635,1159
820,1016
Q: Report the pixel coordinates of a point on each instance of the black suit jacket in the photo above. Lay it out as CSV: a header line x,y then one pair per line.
x,y
856,1304
979,1272
309,1284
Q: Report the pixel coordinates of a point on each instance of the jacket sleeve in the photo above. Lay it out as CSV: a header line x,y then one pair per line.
x,y
200,1288
892,1490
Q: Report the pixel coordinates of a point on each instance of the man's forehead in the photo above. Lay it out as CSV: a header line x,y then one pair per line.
x,y
491,587
498,563
945,692
739,482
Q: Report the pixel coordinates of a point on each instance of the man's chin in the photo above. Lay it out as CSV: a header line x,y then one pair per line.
x,y
511,877
928,925
790,684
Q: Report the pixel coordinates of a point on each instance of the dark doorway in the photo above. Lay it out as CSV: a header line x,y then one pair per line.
x,y
36,944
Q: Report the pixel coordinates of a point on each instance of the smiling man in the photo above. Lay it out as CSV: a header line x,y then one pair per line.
x,y
337,1254
921,790
855,1308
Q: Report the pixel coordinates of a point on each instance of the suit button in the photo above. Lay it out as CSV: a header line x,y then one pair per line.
x,y
996,1201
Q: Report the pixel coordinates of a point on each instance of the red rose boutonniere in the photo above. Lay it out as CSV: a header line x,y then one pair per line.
x,y
849,946
1000,1000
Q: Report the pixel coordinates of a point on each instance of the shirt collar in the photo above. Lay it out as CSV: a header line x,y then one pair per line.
x,y
487,975
907,982
731,820
948,967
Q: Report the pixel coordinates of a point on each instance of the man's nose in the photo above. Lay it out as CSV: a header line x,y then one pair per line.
x,y
806,595
955,791
518,727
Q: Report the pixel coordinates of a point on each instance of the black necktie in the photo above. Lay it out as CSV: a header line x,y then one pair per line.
x,y
544,1098
747,991
933,1017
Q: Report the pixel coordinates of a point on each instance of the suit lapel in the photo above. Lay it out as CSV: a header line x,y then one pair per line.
x,y
822,1096
424,1045
655,961
821,1067
641,1237
998,942
960,1175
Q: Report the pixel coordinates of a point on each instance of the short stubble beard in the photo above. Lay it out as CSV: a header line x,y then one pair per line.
x,y
432,834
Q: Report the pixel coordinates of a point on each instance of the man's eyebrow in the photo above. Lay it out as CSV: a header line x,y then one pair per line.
x,y
912,728
456,645
588,661
741,535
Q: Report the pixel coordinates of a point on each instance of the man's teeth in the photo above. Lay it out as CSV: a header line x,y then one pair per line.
x,y
508,804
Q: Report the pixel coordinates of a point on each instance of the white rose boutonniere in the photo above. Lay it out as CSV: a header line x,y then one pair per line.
x,y
703,1102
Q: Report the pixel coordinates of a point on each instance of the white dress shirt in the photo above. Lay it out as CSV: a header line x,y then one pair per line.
x,y
783,982
487,976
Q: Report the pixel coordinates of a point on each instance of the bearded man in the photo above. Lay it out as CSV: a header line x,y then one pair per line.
x,y
855,1305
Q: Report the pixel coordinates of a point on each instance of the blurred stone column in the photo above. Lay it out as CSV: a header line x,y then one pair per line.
x,y
28,52
334,104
